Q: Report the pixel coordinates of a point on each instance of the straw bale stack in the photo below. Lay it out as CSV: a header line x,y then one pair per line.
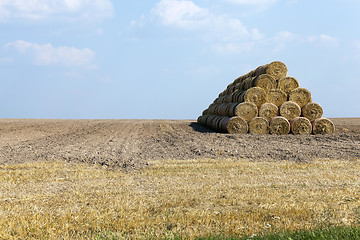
x,y
266,100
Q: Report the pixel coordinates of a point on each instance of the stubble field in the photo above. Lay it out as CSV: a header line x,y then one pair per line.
x,y
105,179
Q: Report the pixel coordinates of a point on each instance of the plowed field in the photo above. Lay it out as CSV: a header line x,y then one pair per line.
x,y
132,143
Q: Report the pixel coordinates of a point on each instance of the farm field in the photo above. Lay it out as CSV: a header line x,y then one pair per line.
x,y
130,144
141,179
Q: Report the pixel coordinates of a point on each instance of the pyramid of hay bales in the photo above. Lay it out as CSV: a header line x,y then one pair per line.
x,y
265,101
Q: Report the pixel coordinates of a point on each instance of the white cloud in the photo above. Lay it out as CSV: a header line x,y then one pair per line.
x,y
6,60
183,14
39,9
186,15
46,54
324,39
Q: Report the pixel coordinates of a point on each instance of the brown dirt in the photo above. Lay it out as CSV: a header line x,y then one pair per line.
x,y
131,143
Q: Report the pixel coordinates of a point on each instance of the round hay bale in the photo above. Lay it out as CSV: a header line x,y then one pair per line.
x,y
312,111
246,110
223,124
276,69
259,125
301,96
237,125
220,100
228,98
208,120
205,112
279,126
290,110
255,95
200,119
264,81
211,108
237,96
240,79
232,109
247,83
268,111
287,84
277,97
323,126
204,120
300,126
215,122
222,109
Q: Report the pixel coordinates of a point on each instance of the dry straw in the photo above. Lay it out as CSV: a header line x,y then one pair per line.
x,y
276,69
223,124
287,84
259,125
300,125
255,95
279,126
222,109
290,110
246,110
237,125
323,126
312,111
265,81
301,96
277,97
268,111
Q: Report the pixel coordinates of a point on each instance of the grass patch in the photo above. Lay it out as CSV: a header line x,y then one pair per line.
x,y
332,233
176,199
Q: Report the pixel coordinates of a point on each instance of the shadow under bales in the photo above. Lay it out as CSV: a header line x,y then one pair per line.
x,y
200,128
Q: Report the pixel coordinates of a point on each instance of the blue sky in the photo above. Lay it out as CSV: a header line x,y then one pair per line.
x,y
169,59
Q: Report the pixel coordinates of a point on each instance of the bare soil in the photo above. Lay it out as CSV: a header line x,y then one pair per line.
x,y
132,143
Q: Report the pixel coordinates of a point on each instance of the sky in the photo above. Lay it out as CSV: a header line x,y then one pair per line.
x,y
169,59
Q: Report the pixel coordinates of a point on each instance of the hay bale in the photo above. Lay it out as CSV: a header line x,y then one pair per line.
x,y
222,109
312,111
228,98
323,126
232,109
246,110
259,125
287,84
255,95
268,111
301,96
300,126
276,69
220,100
277,97
223,124
205,112
290,110
213,108
264,81
279,126
237,125
213,122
